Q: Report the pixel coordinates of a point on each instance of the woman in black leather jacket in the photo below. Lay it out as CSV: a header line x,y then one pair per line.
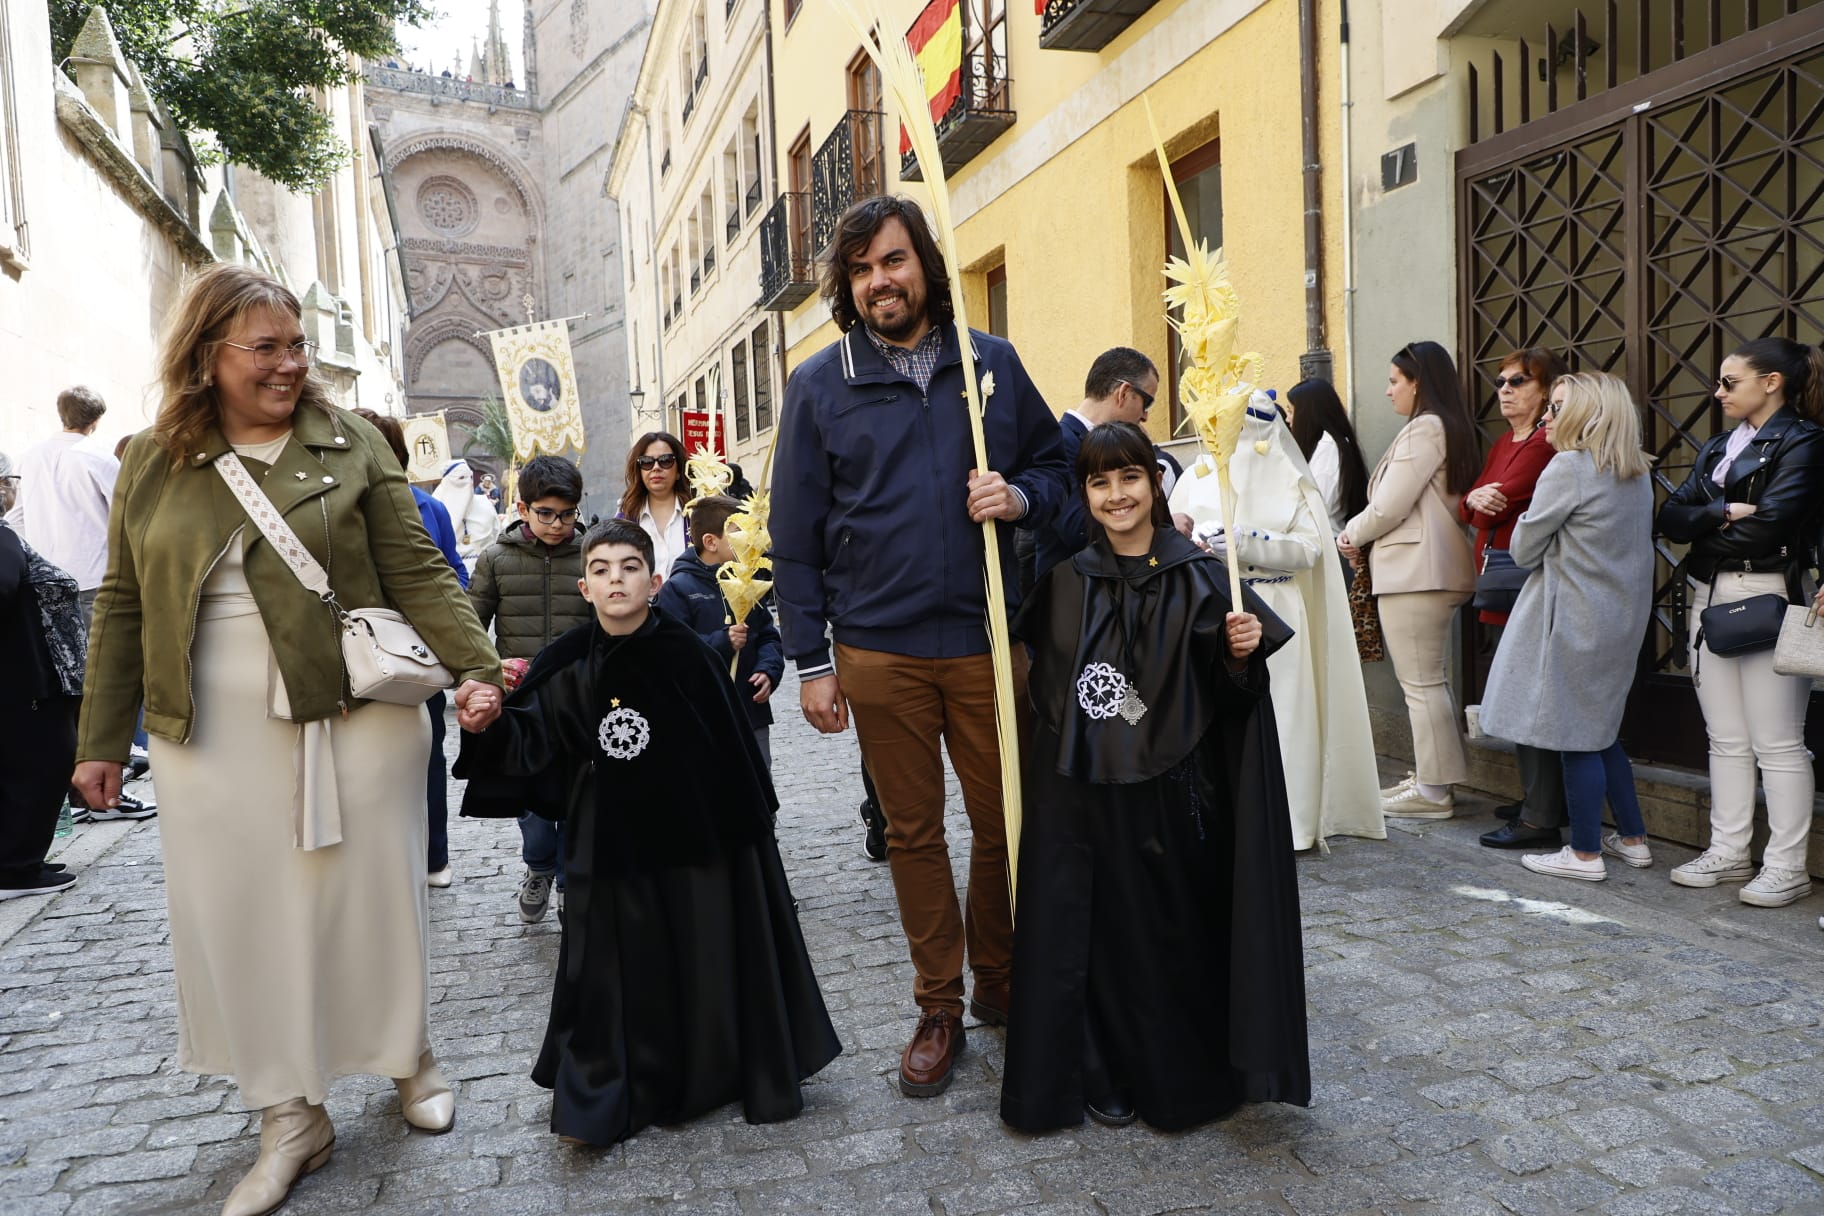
x,y
1749,510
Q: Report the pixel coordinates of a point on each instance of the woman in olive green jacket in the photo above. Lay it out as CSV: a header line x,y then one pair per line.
x,y
294,820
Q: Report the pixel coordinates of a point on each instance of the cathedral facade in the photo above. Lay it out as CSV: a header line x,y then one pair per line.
x,y
497,182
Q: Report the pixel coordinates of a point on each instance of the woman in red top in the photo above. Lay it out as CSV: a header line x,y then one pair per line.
x,y
1493,505
1501,495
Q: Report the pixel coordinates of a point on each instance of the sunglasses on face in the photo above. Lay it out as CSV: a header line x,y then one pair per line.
x,y
1726,384
545,515
1516,381
668,460
1555,408
1146,398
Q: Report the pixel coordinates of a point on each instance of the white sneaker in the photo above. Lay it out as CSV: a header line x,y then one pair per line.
x,y
1775,888
1401,786
1409,803
1710,868
1566,864
1637,855
438,878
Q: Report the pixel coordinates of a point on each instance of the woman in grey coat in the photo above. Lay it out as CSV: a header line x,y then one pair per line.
x,y
1561,676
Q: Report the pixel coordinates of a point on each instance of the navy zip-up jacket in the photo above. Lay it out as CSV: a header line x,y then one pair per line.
x,y
870,521
690,595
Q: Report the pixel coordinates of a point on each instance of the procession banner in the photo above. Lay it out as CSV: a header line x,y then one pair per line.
x,y
427,444
936,40
538,383
703,431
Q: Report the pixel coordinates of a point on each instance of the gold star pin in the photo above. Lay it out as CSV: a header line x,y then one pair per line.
x,y
615,702
1152,561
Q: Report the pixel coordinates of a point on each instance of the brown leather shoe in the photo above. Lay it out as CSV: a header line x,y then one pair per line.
x,y
989,1003
929,1059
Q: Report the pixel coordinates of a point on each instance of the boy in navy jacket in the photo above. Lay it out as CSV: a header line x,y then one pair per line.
x,y
690,595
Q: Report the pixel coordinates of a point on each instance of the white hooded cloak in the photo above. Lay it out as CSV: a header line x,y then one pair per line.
x,y
471,514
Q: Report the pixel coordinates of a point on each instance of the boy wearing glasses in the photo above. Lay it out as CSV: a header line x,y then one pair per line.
x,y
524,584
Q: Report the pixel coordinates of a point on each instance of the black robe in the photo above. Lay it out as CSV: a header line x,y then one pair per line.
x,y
1157,938
682,981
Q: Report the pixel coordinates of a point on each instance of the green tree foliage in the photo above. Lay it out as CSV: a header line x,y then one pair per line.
x,y
244,69
493,434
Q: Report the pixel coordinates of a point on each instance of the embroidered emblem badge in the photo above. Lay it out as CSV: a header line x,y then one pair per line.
x,y
1104,692
624,733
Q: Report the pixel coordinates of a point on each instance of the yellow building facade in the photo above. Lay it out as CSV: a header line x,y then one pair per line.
x,y
1062,219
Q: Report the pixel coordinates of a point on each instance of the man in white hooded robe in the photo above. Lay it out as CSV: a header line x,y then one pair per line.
x,y
471,514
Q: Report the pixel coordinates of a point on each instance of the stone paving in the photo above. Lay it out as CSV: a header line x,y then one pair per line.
x,y
1483,1040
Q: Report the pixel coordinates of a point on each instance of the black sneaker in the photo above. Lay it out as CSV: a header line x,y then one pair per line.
x,y
44,882
129,808
138,764
874,844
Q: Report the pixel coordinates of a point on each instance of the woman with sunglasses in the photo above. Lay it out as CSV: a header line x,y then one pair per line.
x,y
1749,512
1492,507
1420,564
657,494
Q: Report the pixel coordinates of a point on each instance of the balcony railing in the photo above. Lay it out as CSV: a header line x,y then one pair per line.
x,y
752,197
1087,25
847,166
405,81
981,111
787,270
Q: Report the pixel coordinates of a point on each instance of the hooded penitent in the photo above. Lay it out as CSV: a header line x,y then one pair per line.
x,y
1287,556
472,515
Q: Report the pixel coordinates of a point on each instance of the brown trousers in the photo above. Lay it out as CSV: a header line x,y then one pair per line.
x,y
902,708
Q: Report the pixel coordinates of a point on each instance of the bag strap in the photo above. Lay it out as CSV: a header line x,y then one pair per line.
x,y
273,527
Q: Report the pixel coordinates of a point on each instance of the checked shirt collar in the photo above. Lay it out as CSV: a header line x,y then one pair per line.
x,y
919,363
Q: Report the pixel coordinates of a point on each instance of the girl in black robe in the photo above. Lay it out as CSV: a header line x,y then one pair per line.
x,y
1158,965
682,978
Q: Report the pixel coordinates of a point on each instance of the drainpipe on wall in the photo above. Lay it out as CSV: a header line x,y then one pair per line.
x,y
1316,362
1348,221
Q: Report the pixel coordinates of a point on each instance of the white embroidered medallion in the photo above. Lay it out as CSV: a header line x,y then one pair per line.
x,y
1104,692
624,733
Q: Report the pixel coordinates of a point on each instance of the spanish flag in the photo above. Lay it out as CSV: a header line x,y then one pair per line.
x,y
936,39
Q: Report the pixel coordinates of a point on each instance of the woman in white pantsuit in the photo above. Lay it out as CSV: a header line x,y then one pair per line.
x,y
1748,510
1420,564
293,821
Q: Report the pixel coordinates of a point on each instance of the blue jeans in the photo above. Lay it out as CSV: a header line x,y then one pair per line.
x,y
1588,776
542,846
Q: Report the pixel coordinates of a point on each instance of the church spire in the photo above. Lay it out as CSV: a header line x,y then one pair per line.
x,y
495,60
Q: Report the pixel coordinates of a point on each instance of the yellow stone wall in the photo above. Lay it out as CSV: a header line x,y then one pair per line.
x,y
1078,216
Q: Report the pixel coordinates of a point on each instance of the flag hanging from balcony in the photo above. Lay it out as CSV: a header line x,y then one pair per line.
x,y
538,383
936,39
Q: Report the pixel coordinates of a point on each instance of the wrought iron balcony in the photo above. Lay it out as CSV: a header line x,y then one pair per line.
x,y
848,166
981,111
787,270
1087,25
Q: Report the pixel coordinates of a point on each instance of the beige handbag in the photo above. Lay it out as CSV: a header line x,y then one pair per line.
x,y
1800,650
385,658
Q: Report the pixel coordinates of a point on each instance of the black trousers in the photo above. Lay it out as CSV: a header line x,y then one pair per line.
x,y
37,754
437,789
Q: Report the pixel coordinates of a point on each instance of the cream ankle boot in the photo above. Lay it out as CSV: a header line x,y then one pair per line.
x,y
425,1099
295,1138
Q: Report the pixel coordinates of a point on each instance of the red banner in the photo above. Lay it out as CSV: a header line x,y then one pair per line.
x,y
701,430
936,39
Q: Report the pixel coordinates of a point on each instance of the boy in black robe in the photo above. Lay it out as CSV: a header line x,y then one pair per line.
x,y
683,981
1158,961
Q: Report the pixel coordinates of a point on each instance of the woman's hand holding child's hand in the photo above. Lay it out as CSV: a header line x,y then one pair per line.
x,y
477,706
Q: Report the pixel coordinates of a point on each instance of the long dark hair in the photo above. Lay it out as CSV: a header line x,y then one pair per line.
x,y
855,232
1801,366
634,497
1117,445
1441,393
1317,411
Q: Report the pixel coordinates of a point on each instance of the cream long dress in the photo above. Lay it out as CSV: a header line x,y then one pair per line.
x,y
294,966
1288,556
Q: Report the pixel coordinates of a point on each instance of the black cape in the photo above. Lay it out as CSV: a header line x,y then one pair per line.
x,y
1157,940
683,982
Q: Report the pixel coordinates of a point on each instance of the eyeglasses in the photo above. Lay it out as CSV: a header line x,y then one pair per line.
x,y
1146,398
668,460
267,356
1726,384
1502,382
545,515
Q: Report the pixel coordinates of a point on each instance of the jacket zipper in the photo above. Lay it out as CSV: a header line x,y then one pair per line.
x,y
547,585
196,607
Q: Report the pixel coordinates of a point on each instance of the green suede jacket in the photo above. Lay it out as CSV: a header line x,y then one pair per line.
x,y
341,490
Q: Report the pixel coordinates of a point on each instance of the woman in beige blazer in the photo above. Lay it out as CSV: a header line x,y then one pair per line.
x,y
1420,563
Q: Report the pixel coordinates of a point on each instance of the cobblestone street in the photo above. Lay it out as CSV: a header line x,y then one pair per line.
x,y
1483,1040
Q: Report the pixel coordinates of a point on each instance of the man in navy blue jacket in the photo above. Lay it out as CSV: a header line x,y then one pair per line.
x,y
876,524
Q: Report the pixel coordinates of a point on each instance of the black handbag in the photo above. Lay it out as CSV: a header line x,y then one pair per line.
x,y
1743,627
1498,585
